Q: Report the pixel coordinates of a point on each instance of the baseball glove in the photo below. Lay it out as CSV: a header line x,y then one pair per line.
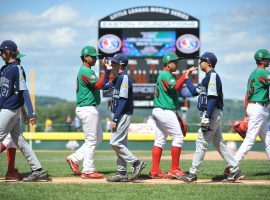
x,y
183,125
241,127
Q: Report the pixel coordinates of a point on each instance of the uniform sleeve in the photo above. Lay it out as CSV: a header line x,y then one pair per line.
x,y
123,93
89,79
212,85
21,81
106,84
265,79
168,83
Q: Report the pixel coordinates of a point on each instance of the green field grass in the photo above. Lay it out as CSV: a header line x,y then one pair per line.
x,y
54,163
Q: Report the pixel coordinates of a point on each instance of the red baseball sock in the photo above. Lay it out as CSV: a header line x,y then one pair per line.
x,y
3,147
11,154
156,155
175,152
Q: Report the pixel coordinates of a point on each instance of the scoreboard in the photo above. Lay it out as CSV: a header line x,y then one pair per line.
x,y
144,35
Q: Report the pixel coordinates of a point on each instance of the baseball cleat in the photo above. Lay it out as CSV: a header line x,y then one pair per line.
x,y
118,178
136,170
188,178
73,166
13,175
236,176
94,175
175,173
226,171
158,175
37,175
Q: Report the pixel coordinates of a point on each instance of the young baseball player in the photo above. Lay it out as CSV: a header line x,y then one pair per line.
x,y
14,94
257,100
210,103
122,109
9,145
88,98
166,104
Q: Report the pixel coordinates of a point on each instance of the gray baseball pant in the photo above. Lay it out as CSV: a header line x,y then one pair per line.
x,y
118,142
10,123
214,135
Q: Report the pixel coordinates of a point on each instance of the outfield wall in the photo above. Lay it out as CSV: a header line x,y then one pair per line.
x,y
137,141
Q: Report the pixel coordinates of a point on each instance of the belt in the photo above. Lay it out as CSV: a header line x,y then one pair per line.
x,y
262,104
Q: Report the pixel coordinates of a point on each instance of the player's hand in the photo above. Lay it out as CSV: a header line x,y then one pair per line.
x,y
190,70
33,119
25,119
106,65
113,126
205,124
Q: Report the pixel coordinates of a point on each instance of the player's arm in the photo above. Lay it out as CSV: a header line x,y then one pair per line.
x,y
265,79
214,85
195,91
21,84
123,98
91,80
171,84
106,84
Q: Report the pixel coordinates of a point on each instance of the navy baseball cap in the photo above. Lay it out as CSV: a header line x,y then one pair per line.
x,y
120,59
8,45
210,57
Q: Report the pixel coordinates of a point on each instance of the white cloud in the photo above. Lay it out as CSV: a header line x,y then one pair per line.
x,y
58,15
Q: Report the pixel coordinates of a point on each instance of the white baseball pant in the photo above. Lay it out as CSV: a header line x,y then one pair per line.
x,y
89,117
257,125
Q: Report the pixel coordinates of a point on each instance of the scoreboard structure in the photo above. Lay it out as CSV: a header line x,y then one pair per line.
x,y
144,35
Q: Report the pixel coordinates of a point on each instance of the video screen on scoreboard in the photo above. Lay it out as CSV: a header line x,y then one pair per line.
x,y
137,43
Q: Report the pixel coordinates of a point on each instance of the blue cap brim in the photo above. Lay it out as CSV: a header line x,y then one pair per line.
x,y
113,60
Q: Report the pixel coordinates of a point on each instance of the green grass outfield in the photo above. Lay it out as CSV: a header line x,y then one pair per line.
x,y
54,163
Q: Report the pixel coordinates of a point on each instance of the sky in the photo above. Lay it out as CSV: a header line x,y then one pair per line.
x,y
52,33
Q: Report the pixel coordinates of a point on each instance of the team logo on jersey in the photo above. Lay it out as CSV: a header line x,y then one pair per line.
x,y
109,43
93,77
188,43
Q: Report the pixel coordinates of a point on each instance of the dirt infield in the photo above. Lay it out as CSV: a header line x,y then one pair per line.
x,y
211,155
78,180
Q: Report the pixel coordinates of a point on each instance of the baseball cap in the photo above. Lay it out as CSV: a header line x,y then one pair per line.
x,y
262,54
210,57
19,55
170,57
120,59
8,45
89,51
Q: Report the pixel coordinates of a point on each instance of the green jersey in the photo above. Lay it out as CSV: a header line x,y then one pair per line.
x,y
166,96
258,86
87,94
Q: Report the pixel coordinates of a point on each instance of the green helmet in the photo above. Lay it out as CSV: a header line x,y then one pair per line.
x,y
262,54
89,51
170,57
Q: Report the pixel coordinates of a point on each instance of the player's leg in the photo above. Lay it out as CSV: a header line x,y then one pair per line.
x,y
265,133
119,142
174,130
202,142
255,122
160,140
38,172
91,126
12,172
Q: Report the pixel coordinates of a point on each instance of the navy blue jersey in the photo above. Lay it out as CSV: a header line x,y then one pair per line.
x,y
12,85
122,102
210,91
